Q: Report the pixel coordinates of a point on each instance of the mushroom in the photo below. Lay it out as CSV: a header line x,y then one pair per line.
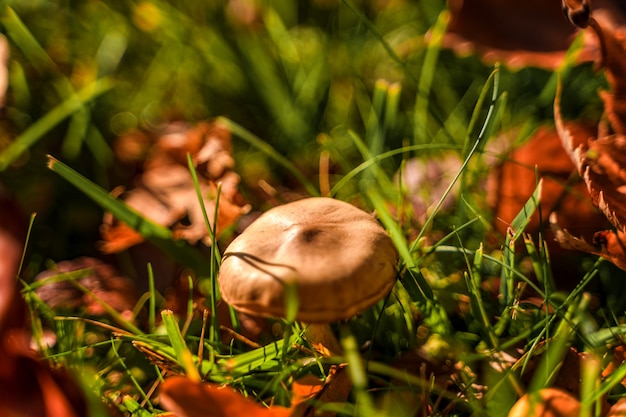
x,y
337,257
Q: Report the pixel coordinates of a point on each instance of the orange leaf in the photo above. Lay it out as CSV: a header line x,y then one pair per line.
x,y
165,191
12,236
336,388
186,398
619,357
517,33
28,386
546,402
599,163
613,47
607,244
543,157
599,158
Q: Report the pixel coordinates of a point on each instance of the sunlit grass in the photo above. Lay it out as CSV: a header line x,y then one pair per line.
x,y
362,85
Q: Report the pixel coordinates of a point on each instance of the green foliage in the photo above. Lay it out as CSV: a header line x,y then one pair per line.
x,y
357,81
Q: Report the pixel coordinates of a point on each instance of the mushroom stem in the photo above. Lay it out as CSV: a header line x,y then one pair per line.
x,y
321,336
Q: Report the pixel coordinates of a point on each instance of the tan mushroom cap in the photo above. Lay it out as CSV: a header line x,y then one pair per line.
x,y
341,260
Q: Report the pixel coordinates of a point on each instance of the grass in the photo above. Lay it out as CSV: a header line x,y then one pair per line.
x,y
357,82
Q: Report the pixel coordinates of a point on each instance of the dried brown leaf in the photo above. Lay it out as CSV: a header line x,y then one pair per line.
x,y
612,40
12,237
519,34
101,279
543,156
618,409
28,386
600,158
608,244
614,64
335,388
165,192
601,165
187,398
618,358
547,402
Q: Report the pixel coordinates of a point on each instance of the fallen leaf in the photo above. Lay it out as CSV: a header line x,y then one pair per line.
x,y
598,157
29,386
612,43
186,398
165,192
617,359
543,157
547,402
618,409
13,227
520,34
101,279
310,391
608,244
563,192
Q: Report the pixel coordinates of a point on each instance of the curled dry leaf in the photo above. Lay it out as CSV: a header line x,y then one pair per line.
x,y
600,158
519,34
187,398
608,244
99,278
612,41
165,192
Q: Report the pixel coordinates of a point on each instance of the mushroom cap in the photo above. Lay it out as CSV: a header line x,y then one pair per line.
x,y
338,256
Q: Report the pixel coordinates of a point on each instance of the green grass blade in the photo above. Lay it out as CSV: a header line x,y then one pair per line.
x,y
516,229
133,407
420,113
181,351
363,166
356,369
552,358
55,116
435,315
152,300
540,263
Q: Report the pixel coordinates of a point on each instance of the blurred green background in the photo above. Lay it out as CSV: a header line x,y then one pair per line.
x,y
298,74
